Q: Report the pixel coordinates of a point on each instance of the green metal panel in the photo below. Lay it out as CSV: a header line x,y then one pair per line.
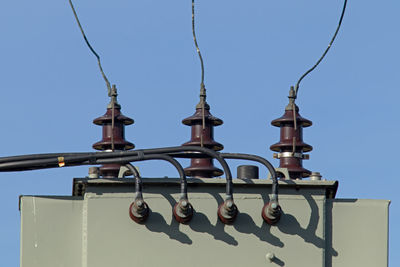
x,y
50,231
96,230
359,232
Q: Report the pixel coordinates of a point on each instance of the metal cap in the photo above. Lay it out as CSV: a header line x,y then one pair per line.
x,y
247,172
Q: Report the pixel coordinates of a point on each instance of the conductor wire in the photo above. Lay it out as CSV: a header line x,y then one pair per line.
x,y
197,46
102,73
202,87
91,49
325,52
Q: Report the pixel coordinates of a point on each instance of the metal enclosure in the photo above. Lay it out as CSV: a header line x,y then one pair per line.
x,y
93,227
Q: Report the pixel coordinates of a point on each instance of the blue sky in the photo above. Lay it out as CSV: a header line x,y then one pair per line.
x,y
253,51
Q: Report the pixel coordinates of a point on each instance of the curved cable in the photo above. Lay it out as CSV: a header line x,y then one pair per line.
x,y
261,160
324,54
54,160
165,157
138,181
91,49
134,171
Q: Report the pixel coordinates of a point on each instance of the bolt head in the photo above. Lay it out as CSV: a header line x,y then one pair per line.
x,y
184,203
139,203
229,204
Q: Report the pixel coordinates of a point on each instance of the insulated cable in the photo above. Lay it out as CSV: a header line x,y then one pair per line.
x,y
202,87
91,49
325,52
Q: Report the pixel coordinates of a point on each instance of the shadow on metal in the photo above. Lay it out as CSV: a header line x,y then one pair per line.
x,y
156,223
290,225
246,225
202,224
278,261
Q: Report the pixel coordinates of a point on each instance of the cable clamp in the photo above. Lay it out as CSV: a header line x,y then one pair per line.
x,y
61,162
140,154
291,155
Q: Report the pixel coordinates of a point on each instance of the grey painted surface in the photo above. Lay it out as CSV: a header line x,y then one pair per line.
x,y
360,232
51,231
96,231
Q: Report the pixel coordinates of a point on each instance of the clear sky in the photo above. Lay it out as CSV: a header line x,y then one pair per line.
x,y
253,51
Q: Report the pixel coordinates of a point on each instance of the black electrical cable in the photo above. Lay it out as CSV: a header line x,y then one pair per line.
x,y
251,157
42,156
33,162
138,181
165,157
326,50
203,94
50,162
134,171
91,49
209,152
197,46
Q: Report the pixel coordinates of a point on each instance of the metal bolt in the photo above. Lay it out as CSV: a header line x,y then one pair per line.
x,y
270,256
139,203
274,205
229,204
184,203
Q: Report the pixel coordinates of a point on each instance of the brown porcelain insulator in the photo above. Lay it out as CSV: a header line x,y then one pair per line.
x,y
203,167
119,131
112,170
291,145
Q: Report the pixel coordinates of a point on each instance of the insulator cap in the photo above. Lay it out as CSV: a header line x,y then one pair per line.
x,y
203,167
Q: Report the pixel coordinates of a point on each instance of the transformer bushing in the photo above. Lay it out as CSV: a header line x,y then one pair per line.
x,y
113,135
203,135
291,146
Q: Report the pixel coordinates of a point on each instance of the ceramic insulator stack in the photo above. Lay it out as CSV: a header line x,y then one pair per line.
x,y
291,147
203,167
112,135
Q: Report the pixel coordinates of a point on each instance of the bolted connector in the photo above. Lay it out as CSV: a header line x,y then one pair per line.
x,y
227,212
271,212
183,211
139,210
